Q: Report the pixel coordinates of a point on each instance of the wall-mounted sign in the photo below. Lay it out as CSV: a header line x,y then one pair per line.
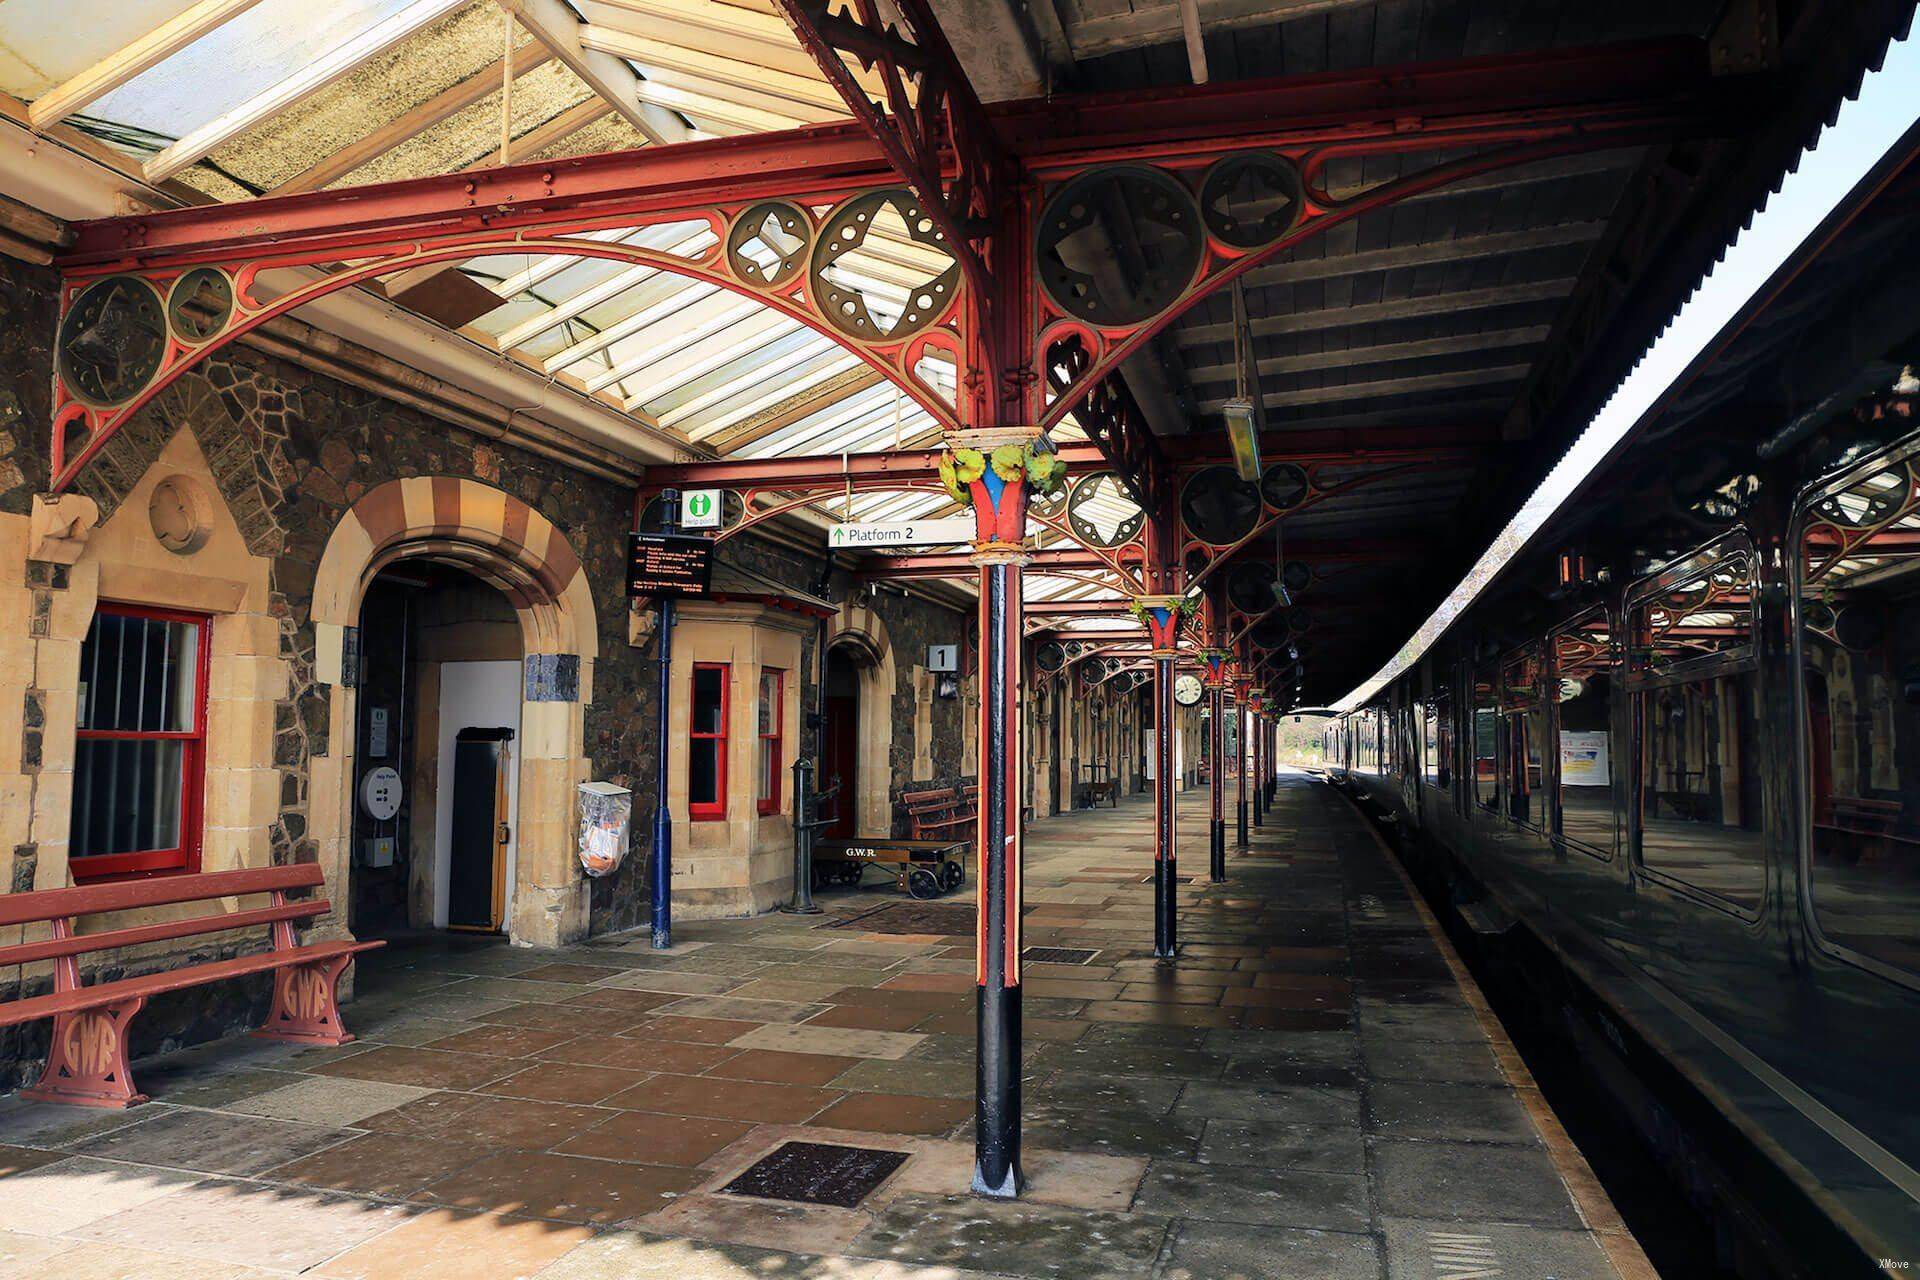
x,y
903,533
700,509
943,657
668,564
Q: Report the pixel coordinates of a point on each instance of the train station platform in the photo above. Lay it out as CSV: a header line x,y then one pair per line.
x,y
1314,1092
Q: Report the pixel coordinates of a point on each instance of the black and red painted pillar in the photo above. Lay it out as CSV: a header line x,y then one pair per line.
x,y
1216,681
1242,754
1256,753
1163,616
991,467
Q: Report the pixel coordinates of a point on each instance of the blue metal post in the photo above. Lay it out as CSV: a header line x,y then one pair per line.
x,y
662,879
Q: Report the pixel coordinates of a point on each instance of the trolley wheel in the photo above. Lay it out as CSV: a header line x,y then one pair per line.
x,y
922,883
952,875
850,873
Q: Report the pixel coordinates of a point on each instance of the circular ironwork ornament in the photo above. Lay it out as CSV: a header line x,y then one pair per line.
x,y
1218,507
1150,212
848,307
1284,485
1101,513
110,345
1251,200
768,243
199,305
1869,501
1250,587
1050,657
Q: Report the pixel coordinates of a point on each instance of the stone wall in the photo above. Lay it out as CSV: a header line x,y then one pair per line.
x,y
912,623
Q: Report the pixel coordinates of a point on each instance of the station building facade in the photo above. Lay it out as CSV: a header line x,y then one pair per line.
x,y
275,581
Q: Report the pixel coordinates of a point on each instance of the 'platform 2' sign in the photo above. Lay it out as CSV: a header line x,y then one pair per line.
x,y
668,564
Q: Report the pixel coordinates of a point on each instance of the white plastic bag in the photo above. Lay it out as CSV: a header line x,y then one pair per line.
x,y
606,812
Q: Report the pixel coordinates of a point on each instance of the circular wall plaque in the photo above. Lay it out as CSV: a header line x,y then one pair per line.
x,y
181,514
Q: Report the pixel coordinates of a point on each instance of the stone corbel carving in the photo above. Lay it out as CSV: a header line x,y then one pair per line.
x,y
58,528
642,622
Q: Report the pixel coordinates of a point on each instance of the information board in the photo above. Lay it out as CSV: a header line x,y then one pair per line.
x,y
668,564
1583,758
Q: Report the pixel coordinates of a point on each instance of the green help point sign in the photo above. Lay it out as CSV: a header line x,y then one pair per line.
x,y
700,509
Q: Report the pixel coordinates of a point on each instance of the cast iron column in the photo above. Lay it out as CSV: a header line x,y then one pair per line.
x,y
1162,616
1259,729
996,1169
991,469
660,878
1241,725
1216,746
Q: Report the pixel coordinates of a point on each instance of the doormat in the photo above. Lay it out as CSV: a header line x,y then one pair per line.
x,y
939,919
817,1173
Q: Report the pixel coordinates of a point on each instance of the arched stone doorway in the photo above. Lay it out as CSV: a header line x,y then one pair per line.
x,y
498,539
858,644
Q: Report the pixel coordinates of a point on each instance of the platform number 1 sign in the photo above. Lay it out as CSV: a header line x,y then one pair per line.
x,y
700,509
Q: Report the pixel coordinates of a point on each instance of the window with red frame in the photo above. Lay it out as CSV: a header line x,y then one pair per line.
x,y
140,749
773,687
707,747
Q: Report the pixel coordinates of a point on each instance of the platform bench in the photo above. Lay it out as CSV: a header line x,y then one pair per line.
x,y
938,813
1875,824
87,1061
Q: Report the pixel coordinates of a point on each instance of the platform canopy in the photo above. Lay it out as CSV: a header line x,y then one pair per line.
x,y
1420,356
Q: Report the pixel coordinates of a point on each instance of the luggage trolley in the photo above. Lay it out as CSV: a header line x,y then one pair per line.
x,y
921,868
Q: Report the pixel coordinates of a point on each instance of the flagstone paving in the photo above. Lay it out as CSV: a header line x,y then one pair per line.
x,y
1307,1093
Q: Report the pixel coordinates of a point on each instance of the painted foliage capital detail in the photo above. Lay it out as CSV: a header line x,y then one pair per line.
x,y
996,472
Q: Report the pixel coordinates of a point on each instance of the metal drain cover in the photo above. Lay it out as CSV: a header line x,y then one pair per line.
x,y
1058,955
817,1173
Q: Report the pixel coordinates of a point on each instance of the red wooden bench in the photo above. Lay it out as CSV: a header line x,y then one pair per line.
x,y
1868,826
938,813
87,1062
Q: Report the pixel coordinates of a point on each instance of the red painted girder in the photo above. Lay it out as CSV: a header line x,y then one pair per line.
x,y
863,470
908,466
1396,106
959,564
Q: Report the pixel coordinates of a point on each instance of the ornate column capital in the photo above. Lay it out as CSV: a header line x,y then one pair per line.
x,y
1217,667
1163,617
994,470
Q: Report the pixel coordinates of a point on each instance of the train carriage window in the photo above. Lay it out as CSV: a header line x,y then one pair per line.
x,y
1524,729
1486,739
1860,678
1583,674
1696,704
1439,753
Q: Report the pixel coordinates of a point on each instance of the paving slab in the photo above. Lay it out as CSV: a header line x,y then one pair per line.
x,y
1218,1251
1447,1113
72,1193
447,1245
1255,1196
1461,1181
1021,1238
1424,1250
212,1142
1277,1145
249,1224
